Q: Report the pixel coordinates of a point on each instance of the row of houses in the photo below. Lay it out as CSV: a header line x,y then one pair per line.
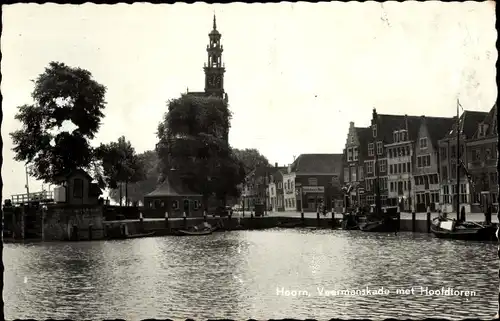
x,y
310,181
412,161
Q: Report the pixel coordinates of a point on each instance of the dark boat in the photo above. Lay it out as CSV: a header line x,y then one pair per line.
x,y
381,225
350,222
290,224
202,229
132,236
470,231
202,232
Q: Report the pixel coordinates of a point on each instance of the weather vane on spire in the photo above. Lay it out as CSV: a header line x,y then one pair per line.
x,y
215,23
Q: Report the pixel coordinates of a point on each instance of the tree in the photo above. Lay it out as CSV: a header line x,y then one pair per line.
x,y
63,97
136,191
251,158
193,141
120,164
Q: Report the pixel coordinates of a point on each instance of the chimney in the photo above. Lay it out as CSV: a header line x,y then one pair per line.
x,y
374,115
351,124
276,165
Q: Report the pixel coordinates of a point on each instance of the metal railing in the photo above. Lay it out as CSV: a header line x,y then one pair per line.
x,y
43,196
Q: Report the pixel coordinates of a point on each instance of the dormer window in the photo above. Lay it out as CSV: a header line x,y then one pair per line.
x,y
396,136
423,143
481,130
380,148
370,149
355,154
403,135
374,130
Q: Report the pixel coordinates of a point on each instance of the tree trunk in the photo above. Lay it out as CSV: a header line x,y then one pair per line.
x,y
126,193
120,187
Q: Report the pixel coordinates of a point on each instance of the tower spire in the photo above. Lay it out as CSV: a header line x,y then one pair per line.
x,y
215,23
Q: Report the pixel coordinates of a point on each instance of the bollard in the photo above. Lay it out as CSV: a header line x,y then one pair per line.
x,y
204,216
302,216
90,232
317,218
413,222
141,222
428,219
251,214
398,213
185,219
167,223
333,219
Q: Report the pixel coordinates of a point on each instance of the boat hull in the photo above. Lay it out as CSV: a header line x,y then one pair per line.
x,y
471,234
133,236
195,233
379,226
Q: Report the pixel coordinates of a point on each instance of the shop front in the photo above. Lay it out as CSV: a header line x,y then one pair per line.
x,y
313,197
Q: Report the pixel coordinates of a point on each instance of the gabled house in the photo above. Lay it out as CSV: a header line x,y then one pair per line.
x,y
314,179
390,159
76,188
426,173
481,163
355,153
255,187
448,152
275,189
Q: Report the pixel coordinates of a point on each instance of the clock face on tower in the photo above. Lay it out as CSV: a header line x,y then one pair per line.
x,y
215,81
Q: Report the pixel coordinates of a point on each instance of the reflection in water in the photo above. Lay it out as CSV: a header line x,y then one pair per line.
x,y
236,275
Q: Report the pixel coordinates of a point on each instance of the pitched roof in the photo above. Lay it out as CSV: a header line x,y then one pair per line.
x,y
172,187
468,123
491,121
437,127
364,135
70,173
278,173
387,124
318,163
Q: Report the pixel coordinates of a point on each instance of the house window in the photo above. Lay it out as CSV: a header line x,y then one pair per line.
x,y
444,173
369,167
346,174
280,185
403,135
195,204
391,169
360,168
443,153
392,186
408,166
399,168
175,205
151,204
382,166
423,143
379,148
487,154
370,200
370,149
404,167
390,152
355,154
353,174
476,155
493,178
78,188
313,181
352,139
374,129
396,136
349,154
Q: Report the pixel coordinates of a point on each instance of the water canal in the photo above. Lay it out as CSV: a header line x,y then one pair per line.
x,y
239,275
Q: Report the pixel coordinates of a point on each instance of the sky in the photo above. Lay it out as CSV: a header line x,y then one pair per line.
x,y
296,73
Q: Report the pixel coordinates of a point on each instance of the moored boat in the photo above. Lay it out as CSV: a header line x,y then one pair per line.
x,y
451,229
132,236
203,229
382,225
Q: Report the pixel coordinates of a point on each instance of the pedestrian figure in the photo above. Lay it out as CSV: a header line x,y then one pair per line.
x,y
462,214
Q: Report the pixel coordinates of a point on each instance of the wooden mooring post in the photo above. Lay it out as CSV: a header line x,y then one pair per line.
x,y
413,221
428,218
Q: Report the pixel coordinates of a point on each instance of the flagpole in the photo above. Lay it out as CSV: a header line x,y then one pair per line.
x,y
458,162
